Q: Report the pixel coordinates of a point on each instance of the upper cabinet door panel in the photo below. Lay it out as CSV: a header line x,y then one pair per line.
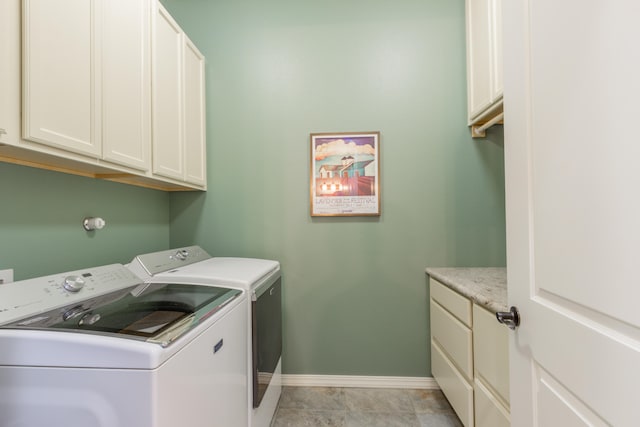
x,y
9,72
167,95
194,114
484,56
126,82
478,55
59,70
497,49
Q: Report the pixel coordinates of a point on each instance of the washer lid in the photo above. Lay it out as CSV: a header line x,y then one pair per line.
x,y
158,313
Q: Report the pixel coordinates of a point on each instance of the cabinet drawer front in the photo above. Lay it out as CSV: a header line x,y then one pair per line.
x,y
458,391
491,347
453,337
489,411
455,303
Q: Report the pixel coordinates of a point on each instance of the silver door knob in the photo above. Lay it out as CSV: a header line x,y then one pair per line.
x,y
510,318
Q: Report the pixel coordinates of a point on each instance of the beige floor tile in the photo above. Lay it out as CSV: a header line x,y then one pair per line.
x,y
319,398
363,407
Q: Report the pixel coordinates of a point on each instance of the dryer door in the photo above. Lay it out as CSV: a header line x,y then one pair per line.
x,y
266,310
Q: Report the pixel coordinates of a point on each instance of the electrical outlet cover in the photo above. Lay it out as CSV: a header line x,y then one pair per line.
x,y
6,276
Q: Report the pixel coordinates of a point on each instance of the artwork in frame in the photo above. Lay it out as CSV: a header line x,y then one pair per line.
x,y
345,174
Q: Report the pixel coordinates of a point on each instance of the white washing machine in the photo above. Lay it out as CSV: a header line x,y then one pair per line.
x,y
98,347
261,279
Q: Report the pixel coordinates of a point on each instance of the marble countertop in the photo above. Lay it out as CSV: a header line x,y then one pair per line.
x,y
485,286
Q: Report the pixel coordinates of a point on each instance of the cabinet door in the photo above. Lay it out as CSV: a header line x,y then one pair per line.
x,y
60,94
167,95
126,82
194,115
491,352
9,71
478,59
489,412
484,55
496,22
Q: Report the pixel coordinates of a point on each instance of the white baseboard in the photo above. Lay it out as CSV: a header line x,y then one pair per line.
x,y
359,381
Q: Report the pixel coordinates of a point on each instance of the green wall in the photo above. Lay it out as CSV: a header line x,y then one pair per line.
x,y
41,216
355,292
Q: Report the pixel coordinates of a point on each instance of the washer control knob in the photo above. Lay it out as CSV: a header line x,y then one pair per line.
x,y
73,283
182,254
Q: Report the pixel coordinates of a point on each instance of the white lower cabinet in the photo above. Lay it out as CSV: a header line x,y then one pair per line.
x,y
454,385
469,358
489,412
452,348
491,376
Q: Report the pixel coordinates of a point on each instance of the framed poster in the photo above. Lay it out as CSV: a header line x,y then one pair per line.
x,y
345,174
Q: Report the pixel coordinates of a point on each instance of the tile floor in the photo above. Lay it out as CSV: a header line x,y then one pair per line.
x,y
363,407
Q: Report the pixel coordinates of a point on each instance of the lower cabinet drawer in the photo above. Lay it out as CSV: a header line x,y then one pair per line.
x,y
489,411
454,338
453,384
457,304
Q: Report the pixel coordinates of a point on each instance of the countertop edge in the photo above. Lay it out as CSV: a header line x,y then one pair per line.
x,y
485,286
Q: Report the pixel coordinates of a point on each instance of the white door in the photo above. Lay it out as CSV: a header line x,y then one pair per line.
x,y
572,155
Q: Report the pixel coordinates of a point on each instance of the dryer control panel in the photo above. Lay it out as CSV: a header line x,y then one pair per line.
x,y
160,262
29,297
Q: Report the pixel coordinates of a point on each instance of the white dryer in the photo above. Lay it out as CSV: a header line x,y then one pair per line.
x,y
262,280
98,347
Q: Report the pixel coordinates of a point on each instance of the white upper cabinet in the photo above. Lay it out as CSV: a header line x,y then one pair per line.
x,y
178,103
86,85
168,142
81,74
126,82
61,96
9,72
194,115
484,59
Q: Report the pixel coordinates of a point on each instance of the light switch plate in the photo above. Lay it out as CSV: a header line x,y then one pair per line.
x,y
6,276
